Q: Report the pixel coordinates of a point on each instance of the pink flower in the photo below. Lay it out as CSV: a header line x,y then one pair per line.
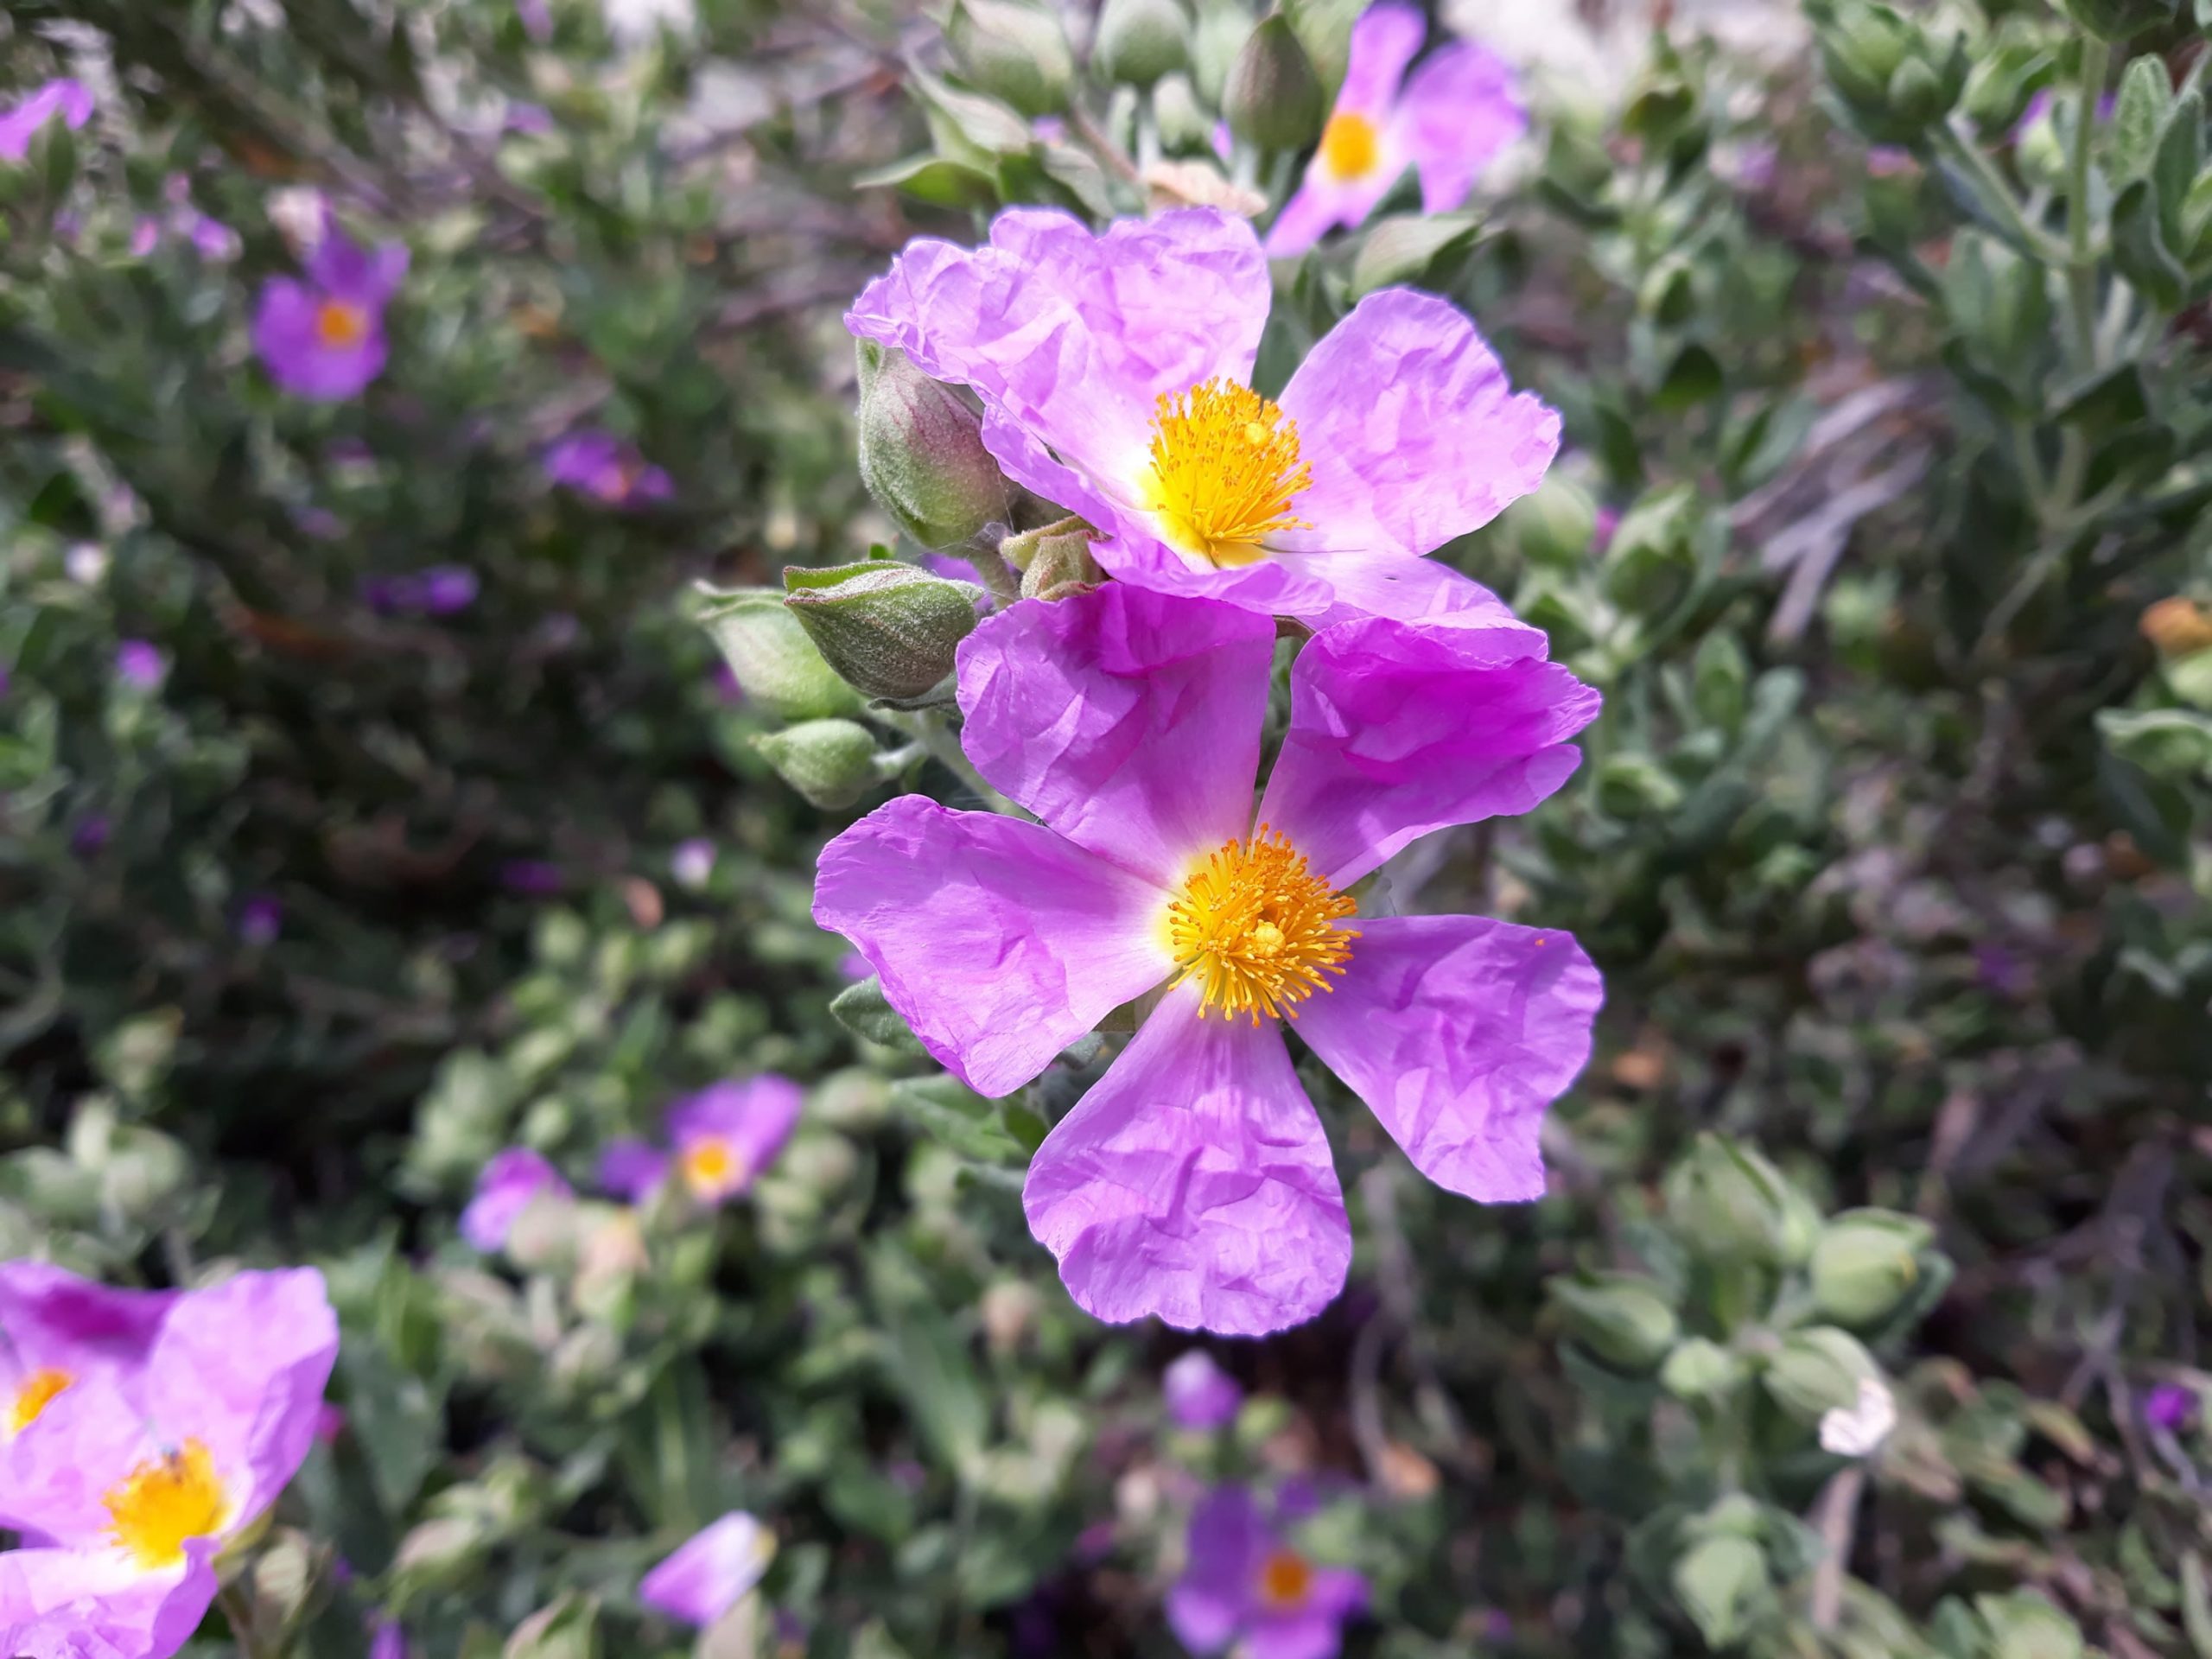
x,y
324,338
723,1137
1115,373
1243,1583
132,1479
504,1190
140,664
602,466
1200,1394
57,1330
20,125
713,1570
1451,117
1194,1182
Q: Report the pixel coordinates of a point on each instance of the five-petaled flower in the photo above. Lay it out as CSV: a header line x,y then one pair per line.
x,y
1453,115
1194,1181
1115,376
323,338
722,1137
169,1423
603,466
1242,1582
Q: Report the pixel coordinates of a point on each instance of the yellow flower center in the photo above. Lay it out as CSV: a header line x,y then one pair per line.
x,y
1286,1579
1351,146
1257,930
1225,471
711,1166
338,324
165,1501
36,1394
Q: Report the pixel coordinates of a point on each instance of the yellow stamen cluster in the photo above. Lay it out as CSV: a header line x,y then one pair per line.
x,y
164,1501
710,1166
1286,1579
36,1394
338,324
1225,471
1351,146
1256,930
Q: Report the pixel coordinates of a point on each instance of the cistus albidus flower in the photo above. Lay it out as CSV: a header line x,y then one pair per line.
x,y
323,338
174,1436
721,1137
20,123
712,1572
505,1188
1194,1181
1447,121
1243,1583
1114,372
603,466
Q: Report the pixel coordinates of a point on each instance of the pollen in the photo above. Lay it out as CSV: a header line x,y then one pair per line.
x,y
1224,472
1256,930
711,1166
338,324
164,1501
1351,146
36,1394
1286,1579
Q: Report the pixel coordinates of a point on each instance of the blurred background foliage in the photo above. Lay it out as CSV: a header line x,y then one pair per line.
x,y
1882,527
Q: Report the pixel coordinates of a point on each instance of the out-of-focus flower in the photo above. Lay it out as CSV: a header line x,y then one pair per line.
x,y
329,1423
531,119
602,466
1397,433
536,19
140,664
86,563
1244,1584
132,1479
2178,626
91,836
538,878
723,1137
20,123
692,863
1452,115
386,1639
145,237
504,1189
1858,1429
436,590
712,1572
1200,1394
2169,1407
631,1168
1194,1181
260,919
324,338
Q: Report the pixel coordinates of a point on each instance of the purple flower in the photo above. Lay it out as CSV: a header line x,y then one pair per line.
x,y
133,1478
57,1330
1449,118
145,237
504,1190
536,19
631,1169
1200,1394
692,863
537,877
386,1639
712,1572
91,836
1244,1584
2169,1407
260,919
1224,140
728,1133
528,118
1194,1181
601,465
1114,373
323,338
19,125
1890,160
436,590
140,664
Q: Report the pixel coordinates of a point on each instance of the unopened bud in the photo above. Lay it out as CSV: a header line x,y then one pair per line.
x,y
1719,1582
567,1630
1274,98
1700,1370
1018,53
1554,524
831,762
1620,1317
1818,1370
1140,41
1054,561
1730,1204
1184,123
441,1550
1221,28
889,629
773,658
1866,1263
922,454
1895,81
1632,787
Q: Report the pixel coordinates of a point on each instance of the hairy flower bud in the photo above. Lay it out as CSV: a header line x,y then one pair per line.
x,y
1620,1317
1185,127
772,657
831,762
1818,1370
922,454
1055,560
1700,1370
1016,52
889,629
1554,524
1718,1581
1730,1205
1218,36
1274,98
1140,41
1866,1263
1894,80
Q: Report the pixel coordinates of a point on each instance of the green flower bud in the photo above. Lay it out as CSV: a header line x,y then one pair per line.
x,y
1554,524
567,1630
1632,787
1818,1370
1017,52
889,629
1730,1205
1893,80
2119,20
442,1550
1184,125
1140,41
1220,35
1274,98
1620,1317
831,762
1700,1370
774,661
1651,561
922,454
1720,680
1718,1583
1866,1263
1054,561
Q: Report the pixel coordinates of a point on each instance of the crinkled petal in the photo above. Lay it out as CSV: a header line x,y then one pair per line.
x,y
1412,432
87,1440
1223,1549
1459,110
1128,720
1194,1182
1000,942
711,1573
57,1604
1457,1032
1406,590
1135,554
1398,730
1383,42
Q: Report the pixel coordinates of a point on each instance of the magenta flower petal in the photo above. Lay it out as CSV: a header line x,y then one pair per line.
x,y
729,1132
344,269
1383,42
999,942
1396,731
1225,1546
1194,1182
1412,432
90,1603
1459,110
712,1572
631,1169
295,347
19,124
1128,720
1457,1032
503,1191
1408,590
1320,204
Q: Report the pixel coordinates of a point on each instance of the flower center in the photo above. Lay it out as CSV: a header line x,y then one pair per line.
x,y
1285,1580
711,1166
165,1501
36,1394
1351,146
1225,471
339,324
1256,929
